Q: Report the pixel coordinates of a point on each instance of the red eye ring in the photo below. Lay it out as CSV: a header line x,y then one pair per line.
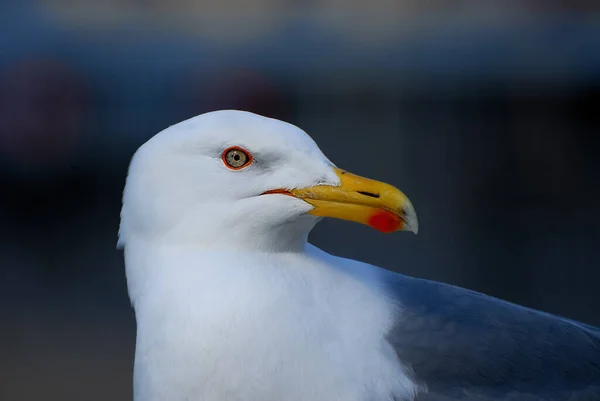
x,y
236,158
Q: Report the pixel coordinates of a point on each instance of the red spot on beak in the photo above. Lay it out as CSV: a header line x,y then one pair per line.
x,y
385,221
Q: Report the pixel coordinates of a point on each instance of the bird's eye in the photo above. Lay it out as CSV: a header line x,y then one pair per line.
x,y
236,158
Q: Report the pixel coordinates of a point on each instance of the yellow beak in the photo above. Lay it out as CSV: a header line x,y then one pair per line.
x,y
361,200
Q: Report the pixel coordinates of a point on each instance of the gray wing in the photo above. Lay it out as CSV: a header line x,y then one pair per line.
x,y
462,345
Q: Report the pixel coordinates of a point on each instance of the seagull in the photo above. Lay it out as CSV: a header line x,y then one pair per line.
x,y
232,302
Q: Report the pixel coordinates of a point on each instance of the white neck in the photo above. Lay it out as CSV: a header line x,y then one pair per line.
x,y
220,326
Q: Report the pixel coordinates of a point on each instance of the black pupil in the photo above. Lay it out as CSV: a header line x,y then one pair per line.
x,y
236,157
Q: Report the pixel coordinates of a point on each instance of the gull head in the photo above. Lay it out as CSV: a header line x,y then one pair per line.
x,y
239,180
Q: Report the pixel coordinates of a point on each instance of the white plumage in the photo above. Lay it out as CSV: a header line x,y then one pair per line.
x,y
231,302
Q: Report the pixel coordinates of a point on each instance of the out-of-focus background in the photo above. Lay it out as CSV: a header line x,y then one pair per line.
x,y
485,113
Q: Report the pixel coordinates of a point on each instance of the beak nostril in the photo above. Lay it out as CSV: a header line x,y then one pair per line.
x,y
372,195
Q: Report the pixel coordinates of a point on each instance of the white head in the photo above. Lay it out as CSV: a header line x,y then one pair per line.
x,y
183,189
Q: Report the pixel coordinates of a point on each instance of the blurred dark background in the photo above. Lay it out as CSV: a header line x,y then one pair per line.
x,y
485,113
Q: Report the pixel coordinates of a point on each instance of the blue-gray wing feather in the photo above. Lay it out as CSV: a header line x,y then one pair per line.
x,y
463,345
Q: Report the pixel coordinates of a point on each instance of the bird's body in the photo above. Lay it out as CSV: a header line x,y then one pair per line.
x,y
232,303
